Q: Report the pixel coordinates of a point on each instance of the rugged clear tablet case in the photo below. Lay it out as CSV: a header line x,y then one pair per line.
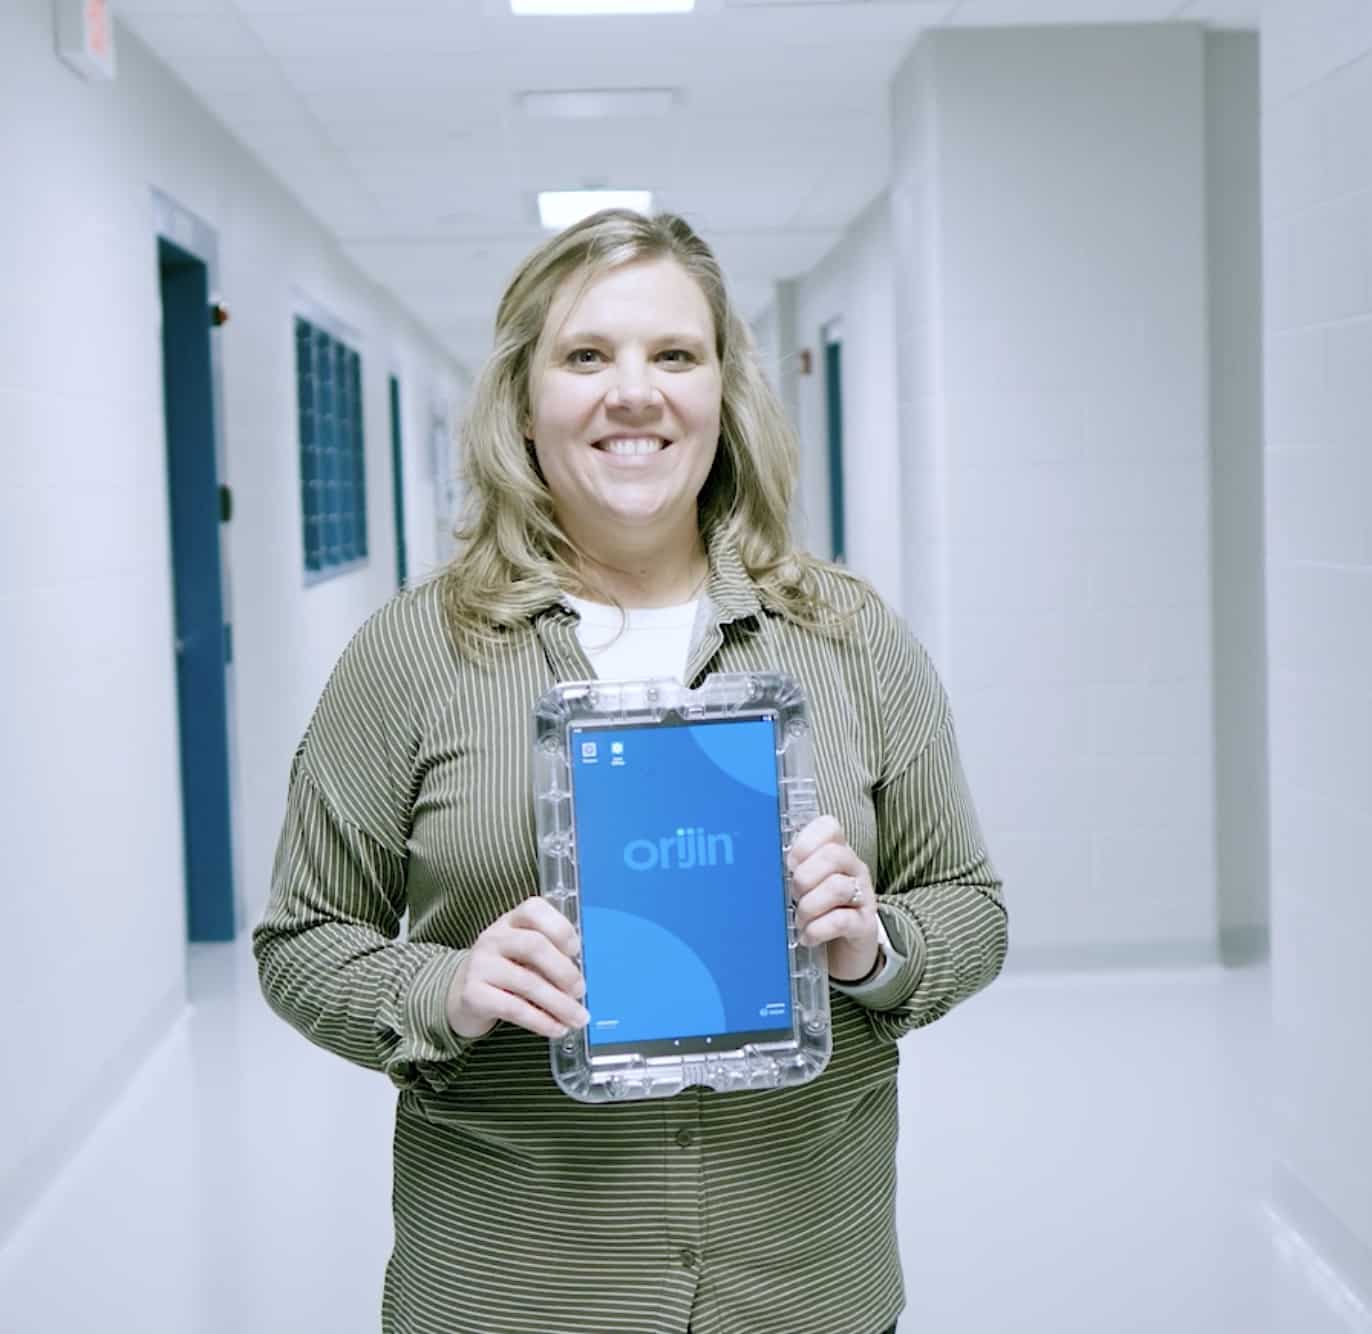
x,y
782,1059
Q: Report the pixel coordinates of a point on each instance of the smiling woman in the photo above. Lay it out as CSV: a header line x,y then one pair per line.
x,y
616,346
622,448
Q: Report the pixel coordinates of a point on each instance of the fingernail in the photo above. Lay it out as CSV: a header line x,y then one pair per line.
x,y
561,1033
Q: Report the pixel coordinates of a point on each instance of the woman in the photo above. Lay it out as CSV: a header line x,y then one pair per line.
x,y
627,465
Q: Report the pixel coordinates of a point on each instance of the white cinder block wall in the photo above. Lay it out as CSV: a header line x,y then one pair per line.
x,y
91,810
915,249
853,284
766,335
1317,216
1054,203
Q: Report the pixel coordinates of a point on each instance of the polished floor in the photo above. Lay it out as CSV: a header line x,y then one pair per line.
x,y
1080,1155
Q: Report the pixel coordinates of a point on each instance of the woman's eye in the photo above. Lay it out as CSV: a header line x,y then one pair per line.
x,y
584,356
677,356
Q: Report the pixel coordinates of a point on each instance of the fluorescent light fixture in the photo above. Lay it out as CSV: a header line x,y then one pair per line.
x,y
555,7
560,208
598,103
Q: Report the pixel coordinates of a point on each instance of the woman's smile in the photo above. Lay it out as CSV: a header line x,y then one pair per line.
x,y
631,446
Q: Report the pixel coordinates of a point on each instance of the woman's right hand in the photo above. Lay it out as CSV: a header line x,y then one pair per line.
x,y
520,969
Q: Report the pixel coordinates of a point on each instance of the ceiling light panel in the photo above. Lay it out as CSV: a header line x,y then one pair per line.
x,y
561,208
599,104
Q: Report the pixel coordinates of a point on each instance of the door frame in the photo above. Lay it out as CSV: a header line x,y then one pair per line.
x,y
173,222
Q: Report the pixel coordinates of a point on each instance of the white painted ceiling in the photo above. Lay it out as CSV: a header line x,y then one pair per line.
x,y
397,122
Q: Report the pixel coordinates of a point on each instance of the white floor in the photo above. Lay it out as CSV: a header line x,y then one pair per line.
x,y
1081,1155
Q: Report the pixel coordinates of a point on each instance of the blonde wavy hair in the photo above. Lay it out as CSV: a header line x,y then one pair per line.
x,y
513,557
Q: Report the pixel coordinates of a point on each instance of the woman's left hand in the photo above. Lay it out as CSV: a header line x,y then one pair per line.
x,y
835,902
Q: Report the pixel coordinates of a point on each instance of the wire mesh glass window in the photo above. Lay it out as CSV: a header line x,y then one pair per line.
x,y
333,487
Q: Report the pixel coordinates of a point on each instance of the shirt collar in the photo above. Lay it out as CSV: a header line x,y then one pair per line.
x,y
731,591
729,587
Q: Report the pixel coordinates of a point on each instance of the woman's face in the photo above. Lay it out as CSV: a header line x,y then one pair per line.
x,y
625,400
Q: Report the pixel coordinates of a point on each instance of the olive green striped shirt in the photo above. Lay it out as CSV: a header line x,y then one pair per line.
x,y
516,1209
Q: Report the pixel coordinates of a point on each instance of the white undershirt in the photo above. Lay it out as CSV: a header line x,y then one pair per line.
x,y
642,642
637,643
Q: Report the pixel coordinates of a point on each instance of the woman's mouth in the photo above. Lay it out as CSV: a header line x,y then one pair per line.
x,y
631,446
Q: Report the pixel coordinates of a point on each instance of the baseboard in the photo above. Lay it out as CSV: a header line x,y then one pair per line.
x,y
25,1185
1166,954
1333,1260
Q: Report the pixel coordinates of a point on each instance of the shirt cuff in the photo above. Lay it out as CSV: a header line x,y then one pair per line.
x,y
878,980
429,1054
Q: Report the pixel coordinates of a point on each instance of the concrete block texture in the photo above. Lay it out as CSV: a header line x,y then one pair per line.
x,y
1317,212
1050,204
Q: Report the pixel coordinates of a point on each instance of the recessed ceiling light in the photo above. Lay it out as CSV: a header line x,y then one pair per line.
x,y
602,6
560,208
598,103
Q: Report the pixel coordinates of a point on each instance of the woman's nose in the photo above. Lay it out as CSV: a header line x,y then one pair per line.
x,y
632,391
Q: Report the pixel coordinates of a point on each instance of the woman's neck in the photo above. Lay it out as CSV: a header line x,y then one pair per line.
x,y
645,572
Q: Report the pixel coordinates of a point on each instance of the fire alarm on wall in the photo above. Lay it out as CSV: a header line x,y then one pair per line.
x,y
85,37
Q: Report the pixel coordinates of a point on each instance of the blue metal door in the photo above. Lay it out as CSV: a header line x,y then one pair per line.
x,y
398,485
203,644
833,392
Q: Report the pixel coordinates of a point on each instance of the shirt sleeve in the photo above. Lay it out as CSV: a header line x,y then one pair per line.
x,y
329,957
939,897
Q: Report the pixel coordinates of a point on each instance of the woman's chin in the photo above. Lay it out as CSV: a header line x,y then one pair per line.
x,y
641,511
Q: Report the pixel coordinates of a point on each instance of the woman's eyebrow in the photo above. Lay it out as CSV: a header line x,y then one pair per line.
x,y
578,336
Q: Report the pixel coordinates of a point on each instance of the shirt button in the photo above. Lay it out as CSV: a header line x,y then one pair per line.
x,y
689,1258
685,1137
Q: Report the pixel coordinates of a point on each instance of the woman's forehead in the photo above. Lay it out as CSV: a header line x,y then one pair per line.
x,y
655,290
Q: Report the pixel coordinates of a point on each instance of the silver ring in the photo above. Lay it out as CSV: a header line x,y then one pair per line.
x,y
855,898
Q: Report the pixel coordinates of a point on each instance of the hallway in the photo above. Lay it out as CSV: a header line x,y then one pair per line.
x,y
1068,306
1101,1136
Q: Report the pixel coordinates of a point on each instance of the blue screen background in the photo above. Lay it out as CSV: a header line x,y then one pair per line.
x,y
681,952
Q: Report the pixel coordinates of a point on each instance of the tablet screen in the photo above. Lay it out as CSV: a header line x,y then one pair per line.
x,y
682,887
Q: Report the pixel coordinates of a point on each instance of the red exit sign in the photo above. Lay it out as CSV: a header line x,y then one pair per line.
x,y
85,36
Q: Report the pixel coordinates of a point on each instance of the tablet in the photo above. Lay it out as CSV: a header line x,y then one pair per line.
x,y
683,885
664,817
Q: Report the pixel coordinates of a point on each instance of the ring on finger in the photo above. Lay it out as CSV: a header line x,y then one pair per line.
x,y
855,898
